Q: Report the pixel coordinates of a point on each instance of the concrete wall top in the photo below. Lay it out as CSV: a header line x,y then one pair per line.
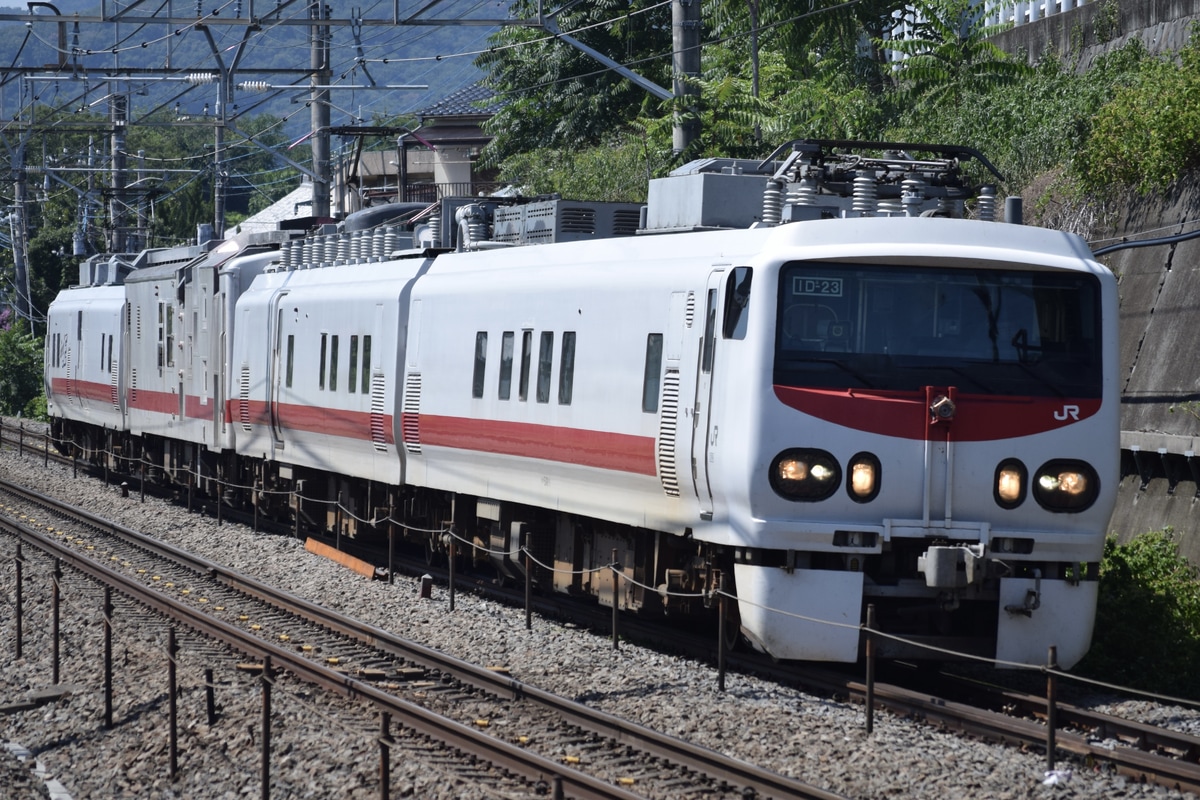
x,y
1164,26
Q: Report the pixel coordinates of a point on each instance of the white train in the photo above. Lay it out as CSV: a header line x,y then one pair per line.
x,y
808,377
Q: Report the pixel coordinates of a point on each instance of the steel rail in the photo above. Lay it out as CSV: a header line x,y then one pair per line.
x,y
764,782
1161,770
494,750
1141,735
1164,770
1150,766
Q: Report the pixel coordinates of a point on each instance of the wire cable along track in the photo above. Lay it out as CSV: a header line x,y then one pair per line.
x,y
681,763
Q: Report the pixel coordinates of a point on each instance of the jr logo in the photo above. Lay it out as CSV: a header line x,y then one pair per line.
x,y
1069,411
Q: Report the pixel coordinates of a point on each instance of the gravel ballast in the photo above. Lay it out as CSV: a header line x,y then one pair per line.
x,y
816,739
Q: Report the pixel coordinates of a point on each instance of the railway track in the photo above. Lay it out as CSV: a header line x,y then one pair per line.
x,y
1144,752
340,654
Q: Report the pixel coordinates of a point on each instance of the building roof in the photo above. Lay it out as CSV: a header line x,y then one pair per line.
x,y
296,203
471,101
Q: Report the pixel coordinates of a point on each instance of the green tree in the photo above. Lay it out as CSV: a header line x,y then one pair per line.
x,y
557,96
947,55
1037,126
617,171
21,366
70,199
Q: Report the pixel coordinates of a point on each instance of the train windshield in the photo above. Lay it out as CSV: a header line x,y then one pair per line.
x,y
988,331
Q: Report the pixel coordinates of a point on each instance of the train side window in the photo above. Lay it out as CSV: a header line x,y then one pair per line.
x,y
480,364
79,326
333,365
545,364
566,369
170,336
737,299
352,384
291,358
507,343
161,355
108,361
366,365
651,378
526,355
103,336
321,371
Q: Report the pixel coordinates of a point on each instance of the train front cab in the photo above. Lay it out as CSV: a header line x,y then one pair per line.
x,y
939,440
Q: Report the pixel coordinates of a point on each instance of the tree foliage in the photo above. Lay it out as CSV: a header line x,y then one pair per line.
x,y
1148,133
947,54
1147,632
172,187
617,172
21,366
559,97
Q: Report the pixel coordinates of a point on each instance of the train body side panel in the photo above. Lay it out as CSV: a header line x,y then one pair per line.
x,y
178,334
84,355
314,365
603,428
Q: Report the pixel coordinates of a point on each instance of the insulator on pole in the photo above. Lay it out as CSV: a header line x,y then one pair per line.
x,y
865,194
201,78
985,204
772,202
254,86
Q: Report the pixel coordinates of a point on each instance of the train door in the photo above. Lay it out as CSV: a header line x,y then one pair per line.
x,y
75,366
178,316
704,430
276,378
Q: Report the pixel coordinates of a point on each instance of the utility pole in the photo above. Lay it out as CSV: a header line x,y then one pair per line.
x,y
321,76
143,231
118,104
220,177
685,63
21,269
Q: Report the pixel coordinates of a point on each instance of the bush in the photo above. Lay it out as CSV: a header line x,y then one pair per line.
x,y
1148,618
1148,135
20,370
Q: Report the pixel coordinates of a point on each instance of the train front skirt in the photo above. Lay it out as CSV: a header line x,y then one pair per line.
x,y
815,615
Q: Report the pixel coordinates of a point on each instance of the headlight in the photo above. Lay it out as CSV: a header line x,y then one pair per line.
x,y
1065,485
1009,486
864,472
804,474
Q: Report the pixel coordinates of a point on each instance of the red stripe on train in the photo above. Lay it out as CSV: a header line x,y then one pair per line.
x,y
978,418
599,449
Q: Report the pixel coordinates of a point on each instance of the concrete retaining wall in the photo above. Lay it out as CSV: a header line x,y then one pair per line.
x,y
1162,25
1160,370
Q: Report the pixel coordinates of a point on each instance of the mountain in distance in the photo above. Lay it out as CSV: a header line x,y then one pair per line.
x,y
440,57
